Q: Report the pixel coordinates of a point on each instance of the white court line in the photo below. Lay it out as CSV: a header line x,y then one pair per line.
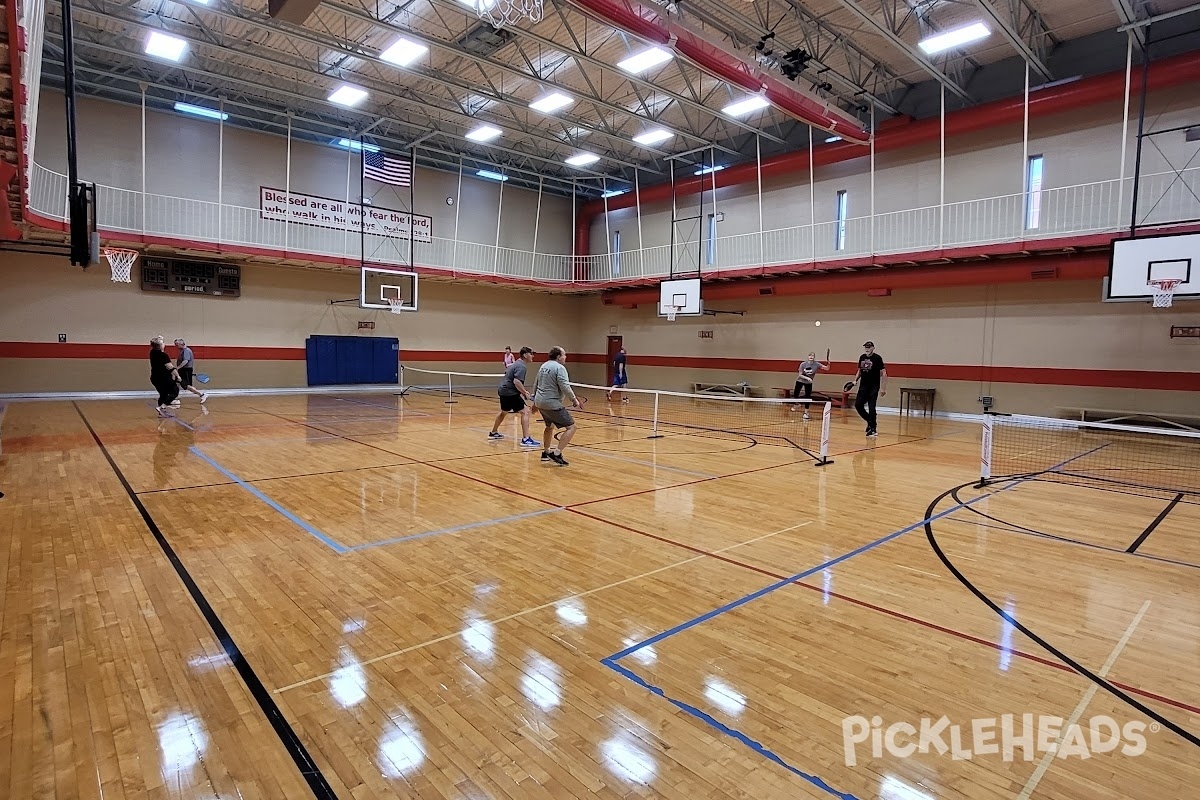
x,y
543,606
1044,764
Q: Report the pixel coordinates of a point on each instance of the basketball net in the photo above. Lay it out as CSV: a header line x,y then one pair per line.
x,y
672,311
1164,291
121,263
500,13
397,305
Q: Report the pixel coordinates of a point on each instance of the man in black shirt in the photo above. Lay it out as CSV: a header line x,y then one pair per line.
x,y
164,376
872,383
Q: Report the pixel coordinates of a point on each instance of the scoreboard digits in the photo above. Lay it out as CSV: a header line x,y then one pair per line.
x,y
191,277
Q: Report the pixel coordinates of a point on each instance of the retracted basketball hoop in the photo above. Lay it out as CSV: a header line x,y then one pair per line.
x,y
1164,291
121,263
508,12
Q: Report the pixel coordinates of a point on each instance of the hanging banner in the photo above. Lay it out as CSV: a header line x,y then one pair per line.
x,y
324,212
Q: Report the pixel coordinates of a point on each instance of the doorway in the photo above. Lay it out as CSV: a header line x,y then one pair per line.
x,y
614,346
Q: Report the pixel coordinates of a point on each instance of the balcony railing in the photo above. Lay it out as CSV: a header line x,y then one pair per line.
x,y
1103,206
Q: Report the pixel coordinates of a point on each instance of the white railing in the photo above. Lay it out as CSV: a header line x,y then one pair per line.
x,y
1103,206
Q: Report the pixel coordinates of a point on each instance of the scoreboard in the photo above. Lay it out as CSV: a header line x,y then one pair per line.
x,y
191,277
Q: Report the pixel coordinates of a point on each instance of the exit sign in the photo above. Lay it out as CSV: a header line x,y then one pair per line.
x,y
705,334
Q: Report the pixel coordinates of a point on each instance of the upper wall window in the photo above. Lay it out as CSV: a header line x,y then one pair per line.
x,y
843,208
1033,193
616,254
711,254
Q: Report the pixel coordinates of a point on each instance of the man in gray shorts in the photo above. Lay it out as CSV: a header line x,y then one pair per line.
x,y
552,387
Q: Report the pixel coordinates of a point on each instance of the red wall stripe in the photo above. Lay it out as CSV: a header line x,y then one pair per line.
x,y
1042,376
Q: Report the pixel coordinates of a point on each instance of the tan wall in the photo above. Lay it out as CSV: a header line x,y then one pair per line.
x,y
183,153
1054,326
279,308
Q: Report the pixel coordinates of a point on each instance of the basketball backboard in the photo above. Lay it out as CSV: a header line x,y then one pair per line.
x,y
381,286
681,293
1135,262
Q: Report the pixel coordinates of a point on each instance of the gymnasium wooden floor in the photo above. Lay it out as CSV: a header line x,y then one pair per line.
x,y
360,594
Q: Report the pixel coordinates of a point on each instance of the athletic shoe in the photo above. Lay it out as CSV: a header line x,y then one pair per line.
x,y
806,415
872,433
546,455
164,411
495,435
175,404
558,459
529,442
203,396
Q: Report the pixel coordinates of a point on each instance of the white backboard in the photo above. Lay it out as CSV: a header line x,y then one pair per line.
x,y
378,285
1135,262
683,293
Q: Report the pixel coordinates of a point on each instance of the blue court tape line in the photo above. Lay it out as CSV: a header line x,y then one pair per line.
x,y
801,575
337,548
728,731
464,527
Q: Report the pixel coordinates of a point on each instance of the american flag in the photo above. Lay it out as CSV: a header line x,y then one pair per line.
x,y
378,166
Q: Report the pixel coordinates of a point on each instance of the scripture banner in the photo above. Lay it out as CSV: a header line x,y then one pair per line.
x,y
324,212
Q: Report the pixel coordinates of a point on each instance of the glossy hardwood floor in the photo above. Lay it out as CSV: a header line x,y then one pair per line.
x,y
370,600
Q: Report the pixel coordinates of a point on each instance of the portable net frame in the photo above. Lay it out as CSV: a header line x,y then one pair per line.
x,y
120,261
775,421
1101,454
1164,292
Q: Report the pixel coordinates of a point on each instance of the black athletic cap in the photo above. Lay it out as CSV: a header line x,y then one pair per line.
x,y
869,344
525,350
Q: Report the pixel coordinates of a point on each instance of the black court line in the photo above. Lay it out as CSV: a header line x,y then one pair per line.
x,y
1045,645
1157,521
308,768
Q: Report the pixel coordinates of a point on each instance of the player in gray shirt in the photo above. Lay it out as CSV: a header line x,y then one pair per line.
x,y
553,386
187,365
513,395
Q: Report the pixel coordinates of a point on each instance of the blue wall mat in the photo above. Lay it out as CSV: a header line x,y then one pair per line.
x,y
334,360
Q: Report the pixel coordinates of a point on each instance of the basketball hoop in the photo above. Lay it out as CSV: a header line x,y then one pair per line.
x,y
121,262
1164,290
397,305
500,13
672,311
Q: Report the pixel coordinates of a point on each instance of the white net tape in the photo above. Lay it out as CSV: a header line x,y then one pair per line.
x,y
1163,292
121,262
508,12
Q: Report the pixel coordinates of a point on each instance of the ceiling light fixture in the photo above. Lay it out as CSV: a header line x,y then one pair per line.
x,y
163,45
653,137
640,62
201,111
744,107
954,38
551,103
491,176
403,52
348,96
582,159
484,133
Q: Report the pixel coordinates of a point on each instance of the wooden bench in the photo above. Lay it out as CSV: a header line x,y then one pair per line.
x,y
723,388
839,399
1187,422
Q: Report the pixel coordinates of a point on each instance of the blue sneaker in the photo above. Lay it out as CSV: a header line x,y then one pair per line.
x,y
529,442
495,435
